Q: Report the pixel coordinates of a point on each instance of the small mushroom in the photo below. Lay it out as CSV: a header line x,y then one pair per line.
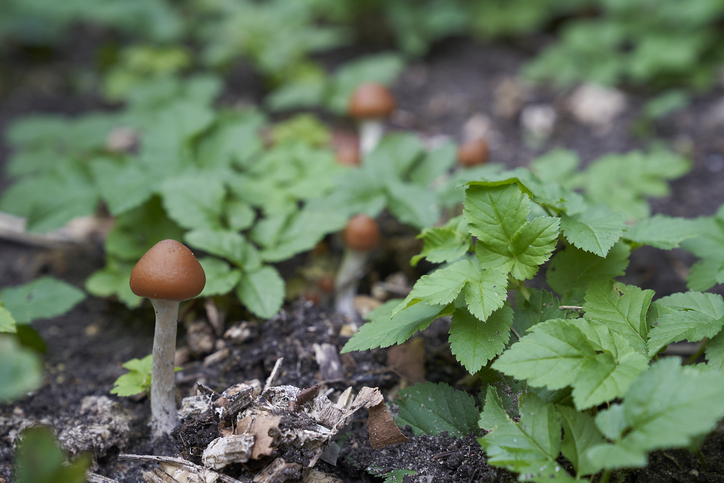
x,y
473,153
361,236
167,274
370,104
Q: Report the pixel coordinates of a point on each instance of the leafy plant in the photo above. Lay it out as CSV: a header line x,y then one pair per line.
x,y
591,342
138,378
632,42
21,368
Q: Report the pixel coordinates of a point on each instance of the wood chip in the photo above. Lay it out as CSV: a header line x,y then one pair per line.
x,y
330,367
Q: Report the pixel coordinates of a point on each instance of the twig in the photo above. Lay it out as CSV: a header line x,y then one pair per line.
x,y
570,307
270,379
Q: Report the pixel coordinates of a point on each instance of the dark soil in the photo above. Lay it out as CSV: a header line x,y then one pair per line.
x,y
437,97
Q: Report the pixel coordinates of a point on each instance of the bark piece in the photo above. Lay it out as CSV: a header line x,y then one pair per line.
x,y
236,448
279,471
330,367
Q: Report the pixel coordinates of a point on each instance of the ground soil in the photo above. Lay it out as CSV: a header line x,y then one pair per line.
x,y
437,97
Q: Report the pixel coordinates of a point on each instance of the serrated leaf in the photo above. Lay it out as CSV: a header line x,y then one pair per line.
x,y
530,446
443,244
194,201
706,273
43,298
261,291
383,330
136,380
220,277
485,292
396,476
21,369
579,434
556,166
622,308
532,246
667,407
715,351
239,215
431,408
682,325
662,232
551,355
395,156
495,213
441,286
475,342
571,270
595,230
540,306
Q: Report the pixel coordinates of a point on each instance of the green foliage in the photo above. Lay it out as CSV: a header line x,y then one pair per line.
x,y
39,459
632,42
21,369
433,408
137,380
708,271
42,298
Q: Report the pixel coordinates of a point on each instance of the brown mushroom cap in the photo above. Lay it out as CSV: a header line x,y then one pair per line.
x,y
371,101
362,233
473,153
168,271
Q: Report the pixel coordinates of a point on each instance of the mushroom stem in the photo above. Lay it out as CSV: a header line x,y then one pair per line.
x,y
345,285
163,399
370,135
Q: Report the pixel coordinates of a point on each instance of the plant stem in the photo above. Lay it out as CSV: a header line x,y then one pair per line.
x,y
696,355
370,135
163,399
345,285
524,292
604,478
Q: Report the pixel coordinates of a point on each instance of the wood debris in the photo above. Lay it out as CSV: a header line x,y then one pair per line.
x,y
275,435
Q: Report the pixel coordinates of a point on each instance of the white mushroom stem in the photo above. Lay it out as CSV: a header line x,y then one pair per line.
x,y
163,399
370,135
345,285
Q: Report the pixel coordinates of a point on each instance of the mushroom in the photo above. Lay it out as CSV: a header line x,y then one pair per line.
x,y
370,104
361,236
473,153
167,274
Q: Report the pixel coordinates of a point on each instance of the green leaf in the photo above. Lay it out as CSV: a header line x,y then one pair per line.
x,y
706,273
530,446
571,270
494,214
441,286
682,325
111,280
475,342
261,291
622,308
579,434
595,230
434,164
21,369
384,330
396,476
539,307
239,215
444,244
551,355
395,156
300,233
220,277
39,459
556,166
662,232
485,292
122,186
43,298
136,380
227,244
431,408
194,201
412,204
7,322
667,407
137,230
715,351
